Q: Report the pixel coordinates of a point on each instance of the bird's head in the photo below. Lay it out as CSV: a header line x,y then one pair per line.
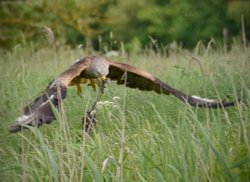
x,y
99,68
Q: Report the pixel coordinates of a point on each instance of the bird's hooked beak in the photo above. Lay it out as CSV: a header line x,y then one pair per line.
x,y
105,80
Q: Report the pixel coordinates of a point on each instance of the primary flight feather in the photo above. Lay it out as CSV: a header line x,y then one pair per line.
x,y
93,70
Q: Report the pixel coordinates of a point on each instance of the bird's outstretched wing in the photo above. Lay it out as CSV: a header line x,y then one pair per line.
x,y
73,72
137,78
40,111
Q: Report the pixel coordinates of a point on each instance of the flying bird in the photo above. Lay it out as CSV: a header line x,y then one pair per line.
x,y
96,71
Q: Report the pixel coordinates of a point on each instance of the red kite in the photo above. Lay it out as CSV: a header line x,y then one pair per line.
x,y
94,71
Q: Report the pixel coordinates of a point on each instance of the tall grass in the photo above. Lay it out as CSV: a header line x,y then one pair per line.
x,y
140,136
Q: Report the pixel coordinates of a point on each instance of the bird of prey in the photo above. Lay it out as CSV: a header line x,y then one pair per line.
x,y
96,71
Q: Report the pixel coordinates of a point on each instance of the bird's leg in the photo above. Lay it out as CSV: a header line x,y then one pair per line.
x,y
79,89
93,84
100,91
89,118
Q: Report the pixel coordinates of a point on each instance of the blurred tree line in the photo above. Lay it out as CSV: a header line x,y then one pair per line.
x,y
96,23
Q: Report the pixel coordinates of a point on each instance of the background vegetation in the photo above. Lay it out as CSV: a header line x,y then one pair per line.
x,y
135,23
140,136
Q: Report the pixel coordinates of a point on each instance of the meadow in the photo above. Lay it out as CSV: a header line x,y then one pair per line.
x,y
140,136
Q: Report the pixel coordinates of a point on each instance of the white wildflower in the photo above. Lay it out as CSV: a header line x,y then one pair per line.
x,y
105,162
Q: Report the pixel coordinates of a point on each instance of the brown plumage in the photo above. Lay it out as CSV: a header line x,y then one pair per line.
x,y
93,70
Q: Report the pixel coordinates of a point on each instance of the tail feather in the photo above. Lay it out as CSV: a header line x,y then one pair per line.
x,y
40,111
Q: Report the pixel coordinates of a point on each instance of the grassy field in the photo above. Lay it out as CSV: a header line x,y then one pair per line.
x,y
140,136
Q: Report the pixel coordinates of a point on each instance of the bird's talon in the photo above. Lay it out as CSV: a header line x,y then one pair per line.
x,y
107,80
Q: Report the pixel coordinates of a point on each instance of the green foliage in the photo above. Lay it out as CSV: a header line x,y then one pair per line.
x,y
75,20
184,21
86,22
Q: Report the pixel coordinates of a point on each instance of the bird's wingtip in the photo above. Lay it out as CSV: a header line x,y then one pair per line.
x,y
21,123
